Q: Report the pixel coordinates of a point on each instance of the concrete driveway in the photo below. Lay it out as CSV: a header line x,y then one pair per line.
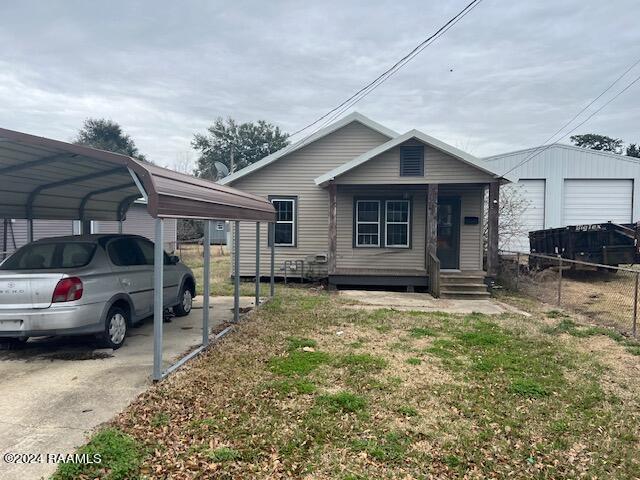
x,y
55,391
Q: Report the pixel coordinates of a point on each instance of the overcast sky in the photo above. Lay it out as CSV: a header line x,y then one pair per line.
x,y
505,77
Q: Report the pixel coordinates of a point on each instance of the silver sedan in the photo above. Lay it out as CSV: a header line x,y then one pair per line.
x,y
87,284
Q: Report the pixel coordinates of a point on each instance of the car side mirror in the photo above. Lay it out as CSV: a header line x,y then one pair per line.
x,y
174,259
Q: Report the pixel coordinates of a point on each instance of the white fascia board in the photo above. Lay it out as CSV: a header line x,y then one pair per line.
x,y
352,117
423,137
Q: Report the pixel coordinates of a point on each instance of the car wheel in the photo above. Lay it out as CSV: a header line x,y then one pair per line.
x,y
115,329
186,302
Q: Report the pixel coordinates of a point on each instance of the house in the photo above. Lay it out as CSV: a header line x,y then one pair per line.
x,y
13,232
359,204
562,185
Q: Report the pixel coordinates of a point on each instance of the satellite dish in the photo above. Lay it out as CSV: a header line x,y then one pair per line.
x,y
221,168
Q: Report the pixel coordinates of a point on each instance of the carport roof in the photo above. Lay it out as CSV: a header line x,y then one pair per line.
x,y
50,179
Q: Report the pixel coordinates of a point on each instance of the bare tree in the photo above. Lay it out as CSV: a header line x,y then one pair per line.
x,y
513,205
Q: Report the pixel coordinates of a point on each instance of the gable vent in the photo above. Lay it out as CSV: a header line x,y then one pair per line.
x,y
412,161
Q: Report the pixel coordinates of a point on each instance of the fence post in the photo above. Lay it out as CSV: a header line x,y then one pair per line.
x,y
635,307
559,280
518,271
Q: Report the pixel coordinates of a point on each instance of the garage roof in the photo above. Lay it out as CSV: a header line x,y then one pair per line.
x,y
50,179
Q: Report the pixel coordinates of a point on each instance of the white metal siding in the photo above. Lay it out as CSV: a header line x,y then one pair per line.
x,y
597,201
559,162
531,193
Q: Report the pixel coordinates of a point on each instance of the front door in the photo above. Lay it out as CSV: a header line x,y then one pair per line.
x,y
449,232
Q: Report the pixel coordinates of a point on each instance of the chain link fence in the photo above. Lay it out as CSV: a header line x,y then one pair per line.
x,y
606,294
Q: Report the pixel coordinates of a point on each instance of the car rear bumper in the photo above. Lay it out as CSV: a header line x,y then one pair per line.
x,y
55,320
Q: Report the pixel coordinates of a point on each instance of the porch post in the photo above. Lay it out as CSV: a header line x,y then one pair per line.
x,y
333,227
432,219
492,235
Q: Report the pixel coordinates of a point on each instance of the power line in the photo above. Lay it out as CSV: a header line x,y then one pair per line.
x,y
390,74
396,66
538,152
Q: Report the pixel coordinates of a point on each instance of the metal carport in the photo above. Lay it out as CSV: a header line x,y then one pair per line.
x,y
41,178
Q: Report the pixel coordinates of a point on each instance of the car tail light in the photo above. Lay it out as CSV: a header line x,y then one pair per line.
x,y
67,290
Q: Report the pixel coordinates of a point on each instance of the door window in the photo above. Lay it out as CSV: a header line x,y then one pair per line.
x,y
124,253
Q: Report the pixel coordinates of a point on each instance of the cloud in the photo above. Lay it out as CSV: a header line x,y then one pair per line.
x,y
506,77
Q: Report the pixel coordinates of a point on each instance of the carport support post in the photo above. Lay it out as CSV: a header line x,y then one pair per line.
x,y
206,284
272,267
158,274
236,271
257,263
30,230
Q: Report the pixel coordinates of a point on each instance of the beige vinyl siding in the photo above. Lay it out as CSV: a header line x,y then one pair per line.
x,y
139,222
471,205
350,257
439,167
294,174
18,231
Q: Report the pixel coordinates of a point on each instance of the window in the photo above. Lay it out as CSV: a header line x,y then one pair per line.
x,y
412,161
147,249
124,253
367,223
43,256
285,234
397,223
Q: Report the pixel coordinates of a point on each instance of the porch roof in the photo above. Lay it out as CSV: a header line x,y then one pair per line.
x,y
464,157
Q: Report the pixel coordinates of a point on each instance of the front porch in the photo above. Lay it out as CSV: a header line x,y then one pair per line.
x,y
420,237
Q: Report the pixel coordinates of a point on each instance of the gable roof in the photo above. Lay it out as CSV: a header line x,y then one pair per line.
x,y
411,134
588,151
352,117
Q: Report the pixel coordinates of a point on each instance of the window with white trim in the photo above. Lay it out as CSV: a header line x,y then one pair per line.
x,y
397,223
367,223
285,234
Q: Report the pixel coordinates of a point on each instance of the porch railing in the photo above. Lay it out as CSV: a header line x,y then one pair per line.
x,y
433,270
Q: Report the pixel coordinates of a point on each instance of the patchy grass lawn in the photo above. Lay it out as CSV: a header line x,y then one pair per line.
x,y
307,389
221,284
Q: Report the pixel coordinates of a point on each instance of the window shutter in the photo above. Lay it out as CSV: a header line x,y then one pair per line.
x,y
412,161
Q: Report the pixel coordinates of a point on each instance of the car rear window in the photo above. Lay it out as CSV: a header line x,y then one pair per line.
x,y
47,256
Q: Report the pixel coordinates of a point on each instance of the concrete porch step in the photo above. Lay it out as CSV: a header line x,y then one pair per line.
x,y
464,295
463,286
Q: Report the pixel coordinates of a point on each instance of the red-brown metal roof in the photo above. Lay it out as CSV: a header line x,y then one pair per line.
x,y
50,179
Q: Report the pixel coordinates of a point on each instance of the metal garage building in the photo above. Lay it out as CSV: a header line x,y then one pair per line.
x,y
567,185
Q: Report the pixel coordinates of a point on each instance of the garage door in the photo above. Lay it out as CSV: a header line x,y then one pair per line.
x,y
525,212
597,201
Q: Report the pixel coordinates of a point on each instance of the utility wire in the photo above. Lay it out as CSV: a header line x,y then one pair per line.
x,y
399,64
546,147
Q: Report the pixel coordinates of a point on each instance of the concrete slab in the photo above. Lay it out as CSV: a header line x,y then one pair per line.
x,y
56,390
423,302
